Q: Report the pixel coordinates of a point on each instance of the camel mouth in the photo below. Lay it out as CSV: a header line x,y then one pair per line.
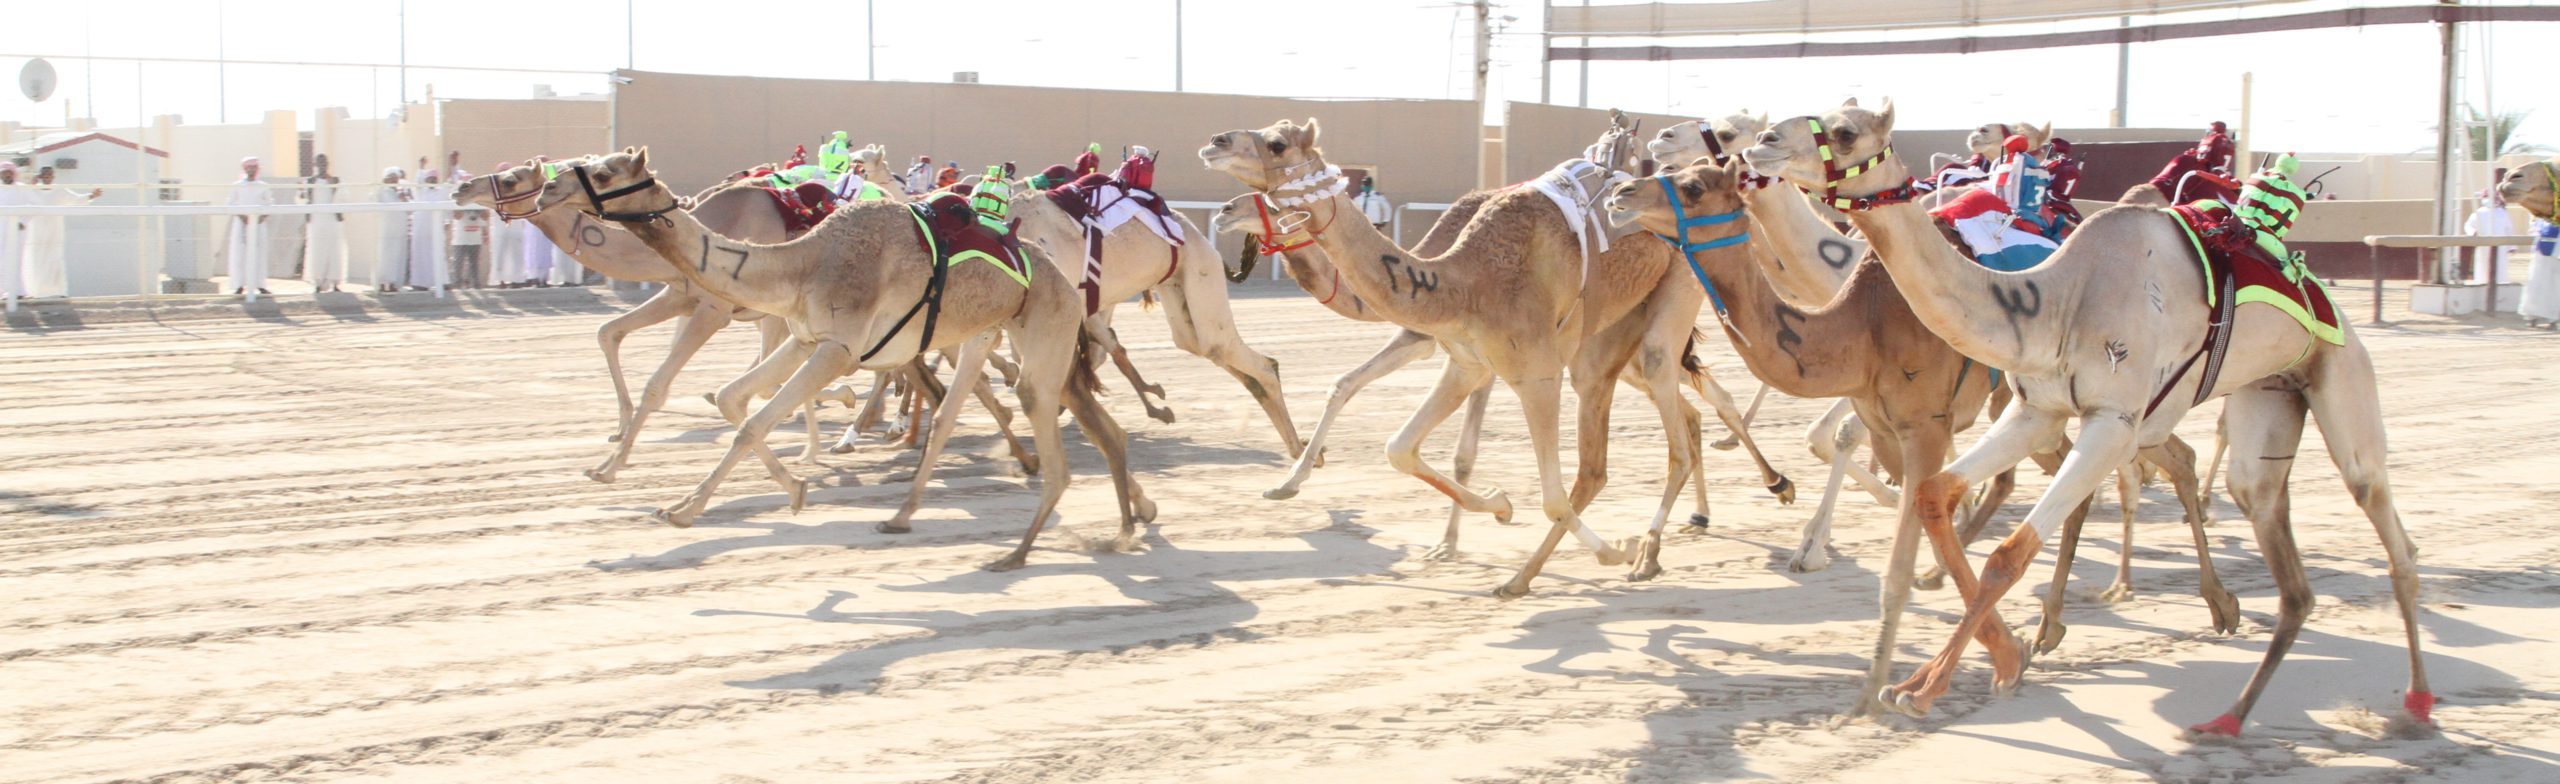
x,y
1620,217
1764,159
1662,151
1215,157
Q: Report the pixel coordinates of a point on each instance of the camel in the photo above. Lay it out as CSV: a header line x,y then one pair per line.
x,y
1793,231
1985,142
845,288
606,248
1315,273
1185,276
2078,344
1509,299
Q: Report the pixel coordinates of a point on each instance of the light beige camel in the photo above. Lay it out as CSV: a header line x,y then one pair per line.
x,y
1985,141
2105,332
852,290
1509,299
1186,277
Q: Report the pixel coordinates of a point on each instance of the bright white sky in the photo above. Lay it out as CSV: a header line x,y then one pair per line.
x,y
2370,90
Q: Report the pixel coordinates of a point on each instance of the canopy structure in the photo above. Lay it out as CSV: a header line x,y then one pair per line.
x,y
1810,17
1659,20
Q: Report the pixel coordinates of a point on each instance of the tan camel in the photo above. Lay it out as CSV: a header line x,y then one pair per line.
x,y
1186,277
2080,344
846,289
1985,141
1509,299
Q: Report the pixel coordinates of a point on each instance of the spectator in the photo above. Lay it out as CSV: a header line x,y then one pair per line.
x,y
506,246
13,234
453,173
949,176
46,275
427,241
539,253
248,248
470,237
1374,204
391,266
324,255
2491,220
920,176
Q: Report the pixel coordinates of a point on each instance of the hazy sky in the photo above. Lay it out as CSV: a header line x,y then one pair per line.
x,y
2370,90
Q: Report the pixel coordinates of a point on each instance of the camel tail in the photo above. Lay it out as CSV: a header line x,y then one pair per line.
x,y
1080,376
1245,261
1147,299
1689,360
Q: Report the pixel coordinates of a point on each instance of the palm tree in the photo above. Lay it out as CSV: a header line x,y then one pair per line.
x,y
2493,135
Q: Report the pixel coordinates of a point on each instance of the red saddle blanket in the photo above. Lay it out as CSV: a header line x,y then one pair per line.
x,y
803,206
2237,270
947,225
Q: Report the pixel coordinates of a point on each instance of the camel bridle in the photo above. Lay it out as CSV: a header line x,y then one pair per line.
x,y
1833,175
2551,180
1717,153
1322,183
499,199
1690,250
597,200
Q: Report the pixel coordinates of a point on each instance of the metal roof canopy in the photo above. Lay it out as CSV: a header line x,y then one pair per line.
x,y
1819,16
2350,17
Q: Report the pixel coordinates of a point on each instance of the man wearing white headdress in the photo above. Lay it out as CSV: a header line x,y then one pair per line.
x,y
539,253
391,265
324,260
47,242
426,234
13,234
248,248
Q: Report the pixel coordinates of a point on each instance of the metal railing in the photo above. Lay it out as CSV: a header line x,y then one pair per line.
x,y
2374,243
153,249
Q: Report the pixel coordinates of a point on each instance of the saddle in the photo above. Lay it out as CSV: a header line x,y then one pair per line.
x,y
2237,269
803,206
1101,204
1576,187
950,232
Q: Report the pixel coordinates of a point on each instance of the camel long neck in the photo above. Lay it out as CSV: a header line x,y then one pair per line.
x,y
1415,293
1810,259
1992,316
762,277
601,246
1785,345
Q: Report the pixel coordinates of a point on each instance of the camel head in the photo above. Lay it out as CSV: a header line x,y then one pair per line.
x,y
617,187
874,161
1857,136
1267,230
1706,190
514,192
1267,158
2535,186
1985,141
1690,140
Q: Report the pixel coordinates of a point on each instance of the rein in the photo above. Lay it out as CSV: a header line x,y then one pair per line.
x,y
1833,175
1275,237
499,200
597,200
1690,250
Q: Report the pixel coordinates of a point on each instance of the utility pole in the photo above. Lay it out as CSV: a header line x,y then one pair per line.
x,y
1583,67
2447,171
630,22
870,43
1546,47
2124,70
404,55
1484,65
221,67
1177,46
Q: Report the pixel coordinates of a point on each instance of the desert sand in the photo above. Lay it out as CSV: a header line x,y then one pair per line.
x,y
354,542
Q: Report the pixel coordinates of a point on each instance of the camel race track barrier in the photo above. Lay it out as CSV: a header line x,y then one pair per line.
x,y
2376,242
144,275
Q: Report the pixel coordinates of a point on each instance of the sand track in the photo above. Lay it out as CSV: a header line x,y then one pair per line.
x,y
317,548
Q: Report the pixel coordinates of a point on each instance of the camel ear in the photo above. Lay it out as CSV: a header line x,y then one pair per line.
x,y
1310,142
1735,169
641,161
1884,118
1850,103
628,149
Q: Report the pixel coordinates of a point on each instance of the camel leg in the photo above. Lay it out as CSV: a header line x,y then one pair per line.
x,y
1195,308
1703,518
1838,426
1660,381
2221,444
1731,440
1404,451
986,394
1047,361
1462,467
1706,386
946,416
2129,503
2106,443
1113,442
2049,634
1099,327
667,304
1813,554
691,332
1539,399
869,416
1401,350
824,363
2266,428
768,373
2177,461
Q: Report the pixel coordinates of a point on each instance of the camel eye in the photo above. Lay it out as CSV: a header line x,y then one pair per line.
x,y
1846,136
1278,146
1726,135
1693,190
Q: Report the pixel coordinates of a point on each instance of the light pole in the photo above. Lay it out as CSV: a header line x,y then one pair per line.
x,y
1177,46
870,44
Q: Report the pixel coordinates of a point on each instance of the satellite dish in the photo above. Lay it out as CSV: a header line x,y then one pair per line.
x,y
37,79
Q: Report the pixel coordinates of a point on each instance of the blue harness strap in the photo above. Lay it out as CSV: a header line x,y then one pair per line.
x,y
1689,250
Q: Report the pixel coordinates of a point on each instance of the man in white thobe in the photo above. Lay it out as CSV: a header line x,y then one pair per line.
x,y
13,235
427,242
324,255
1374,204
248,248
391,263
2491,220
47,244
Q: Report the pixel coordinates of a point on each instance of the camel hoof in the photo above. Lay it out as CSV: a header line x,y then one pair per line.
x,y
1622,552
1648,559
1931,580
1144,509
2226,725
1726,444
1785,490
602,477
2421,706
613,439
1164,415
1813,560
2116,593
1006,564
673,517
710,398
1511,590
841,448
1502,501
2226,612
893,527
1904,703
1697,524
1443,552
1281,493
2049,637
799,495
1319,457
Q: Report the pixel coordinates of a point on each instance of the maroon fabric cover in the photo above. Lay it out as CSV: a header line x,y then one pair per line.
x,y
2205,185
956,228
1088,163
2232,254
1136,172
800,209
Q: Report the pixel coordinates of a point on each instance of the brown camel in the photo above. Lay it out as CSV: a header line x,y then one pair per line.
x,y
2080,344
1509,299
851,289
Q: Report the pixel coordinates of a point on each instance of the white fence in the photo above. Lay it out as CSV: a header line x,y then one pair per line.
x,y
126,250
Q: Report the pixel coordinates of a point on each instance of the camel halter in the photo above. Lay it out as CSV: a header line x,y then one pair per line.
x,y
1690,250
1291,230
1833,175
597,200
1715,152
498,199
2551,179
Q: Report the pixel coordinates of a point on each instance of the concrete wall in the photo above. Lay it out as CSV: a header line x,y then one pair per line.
x,y
700,128
487,131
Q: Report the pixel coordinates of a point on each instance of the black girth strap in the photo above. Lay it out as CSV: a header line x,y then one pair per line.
x,y
930,303
598,199
2217,343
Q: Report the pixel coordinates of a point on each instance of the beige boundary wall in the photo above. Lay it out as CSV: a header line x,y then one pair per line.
x,y
699,128
488,131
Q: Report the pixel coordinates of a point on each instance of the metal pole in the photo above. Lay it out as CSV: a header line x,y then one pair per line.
x,y
870,45
1582,97
1546,42
404,55
2374,252
2445,168
2124,71
1484,64
1177,46
630,37
221,69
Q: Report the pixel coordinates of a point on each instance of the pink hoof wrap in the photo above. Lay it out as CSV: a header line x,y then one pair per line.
x,y
2421,705
2227,726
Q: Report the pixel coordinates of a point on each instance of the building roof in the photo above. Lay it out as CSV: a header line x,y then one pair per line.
x,y
59,140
